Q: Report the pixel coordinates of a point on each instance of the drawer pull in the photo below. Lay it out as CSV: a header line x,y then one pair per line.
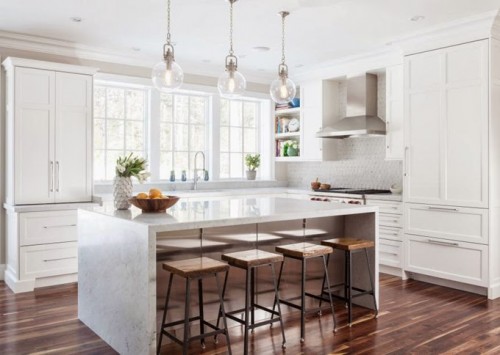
x,y
395,254
60,226
58,259
443,243
443,209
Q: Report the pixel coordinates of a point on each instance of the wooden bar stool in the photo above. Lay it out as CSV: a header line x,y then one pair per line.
x,y
250,260
304,252
194,269
351,246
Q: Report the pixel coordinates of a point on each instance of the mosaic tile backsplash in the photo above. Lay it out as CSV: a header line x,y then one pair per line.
x,y
361,163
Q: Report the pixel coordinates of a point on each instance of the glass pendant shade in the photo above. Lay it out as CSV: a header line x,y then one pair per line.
x,y
231,84
167,76
282,90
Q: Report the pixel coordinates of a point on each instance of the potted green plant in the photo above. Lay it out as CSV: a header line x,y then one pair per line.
x,y
126,167
252,161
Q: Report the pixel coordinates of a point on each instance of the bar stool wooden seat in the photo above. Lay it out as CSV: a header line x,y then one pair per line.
x,y
250,260
194,269
303,252
351,246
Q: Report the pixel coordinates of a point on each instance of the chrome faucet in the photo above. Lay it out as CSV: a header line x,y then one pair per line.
x,y
196,170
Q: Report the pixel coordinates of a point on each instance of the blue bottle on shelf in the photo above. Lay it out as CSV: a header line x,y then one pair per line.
x,y
172,175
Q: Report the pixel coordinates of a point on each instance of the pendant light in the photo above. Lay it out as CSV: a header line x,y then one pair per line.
x,y
167,75
231,83
282,89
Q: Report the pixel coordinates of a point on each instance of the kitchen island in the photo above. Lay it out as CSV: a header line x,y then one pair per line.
x,y
119,284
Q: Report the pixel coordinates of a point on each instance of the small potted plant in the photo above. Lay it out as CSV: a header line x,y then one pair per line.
x,y
252,161
126,167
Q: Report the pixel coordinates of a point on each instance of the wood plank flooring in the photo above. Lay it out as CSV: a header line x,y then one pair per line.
x,y
415,318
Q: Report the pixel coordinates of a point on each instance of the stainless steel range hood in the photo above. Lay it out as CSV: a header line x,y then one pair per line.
x,y
361,111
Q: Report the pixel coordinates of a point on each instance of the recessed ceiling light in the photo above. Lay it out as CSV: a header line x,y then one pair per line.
x,y
136,49
299,65
260,69
389,44
261,49
76,19
417,18
242,56
206,61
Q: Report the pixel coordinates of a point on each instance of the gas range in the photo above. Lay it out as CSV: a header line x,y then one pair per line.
x,y
345,195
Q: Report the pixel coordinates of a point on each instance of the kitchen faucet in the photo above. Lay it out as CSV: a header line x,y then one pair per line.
x,y
196,178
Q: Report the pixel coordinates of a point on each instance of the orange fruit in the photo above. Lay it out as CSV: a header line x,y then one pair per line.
x,y
155,193
142,195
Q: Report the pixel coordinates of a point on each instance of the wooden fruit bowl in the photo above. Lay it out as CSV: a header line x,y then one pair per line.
x,y
154,204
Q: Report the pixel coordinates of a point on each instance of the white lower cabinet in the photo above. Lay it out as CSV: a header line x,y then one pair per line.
x,y
390,247
450,260
41,249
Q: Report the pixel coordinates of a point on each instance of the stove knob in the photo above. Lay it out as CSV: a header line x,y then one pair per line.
x,y
326,200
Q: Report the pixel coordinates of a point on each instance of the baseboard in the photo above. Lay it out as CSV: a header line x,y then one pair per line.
x,y
2,272
483,291
394,271
494,291
18,286
56,280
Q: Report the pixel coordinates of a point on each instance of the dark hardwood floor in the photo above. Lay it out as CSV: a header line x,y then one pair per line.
x,y
415,318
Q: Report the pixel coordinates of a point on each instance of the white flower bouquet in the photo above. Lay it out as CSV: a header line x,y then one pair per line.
x,y
131,165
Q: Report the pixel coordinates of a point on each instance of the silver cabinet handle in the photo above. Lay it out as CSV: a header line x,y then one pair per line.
x,y
51,183
58,259
406,162
57,175
60,226
451,209
443,243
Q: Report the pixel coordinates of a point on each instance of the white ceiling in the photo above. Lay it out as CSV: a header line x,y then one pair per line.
x,y
317,30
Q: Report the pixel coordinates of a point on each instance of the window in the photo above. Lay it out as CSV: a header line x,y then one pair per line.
x,y
119,126
183,132
238,135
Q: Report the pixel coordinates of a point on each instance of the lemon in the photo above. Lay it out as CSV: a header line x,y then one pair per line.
x,y
155,193
142,195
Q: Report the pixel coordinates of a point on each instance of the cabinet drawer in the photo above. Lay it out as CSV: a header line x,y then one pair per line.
x,y
48,260
454,223
47,227
391,220
395,207
456,261
395,234
390,253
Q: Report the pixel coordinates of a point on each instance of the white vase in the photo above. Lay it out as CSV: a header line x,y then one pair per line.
x,y
122,191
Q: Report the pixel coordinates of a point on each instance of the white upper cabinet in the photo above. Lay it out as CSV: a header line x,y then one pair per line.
x,y
446,126
49,116
319,100
395,113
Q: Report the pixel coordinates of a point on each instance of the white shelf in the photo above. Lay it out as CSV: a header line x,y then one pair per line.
x,y
286,159
280,136
288,111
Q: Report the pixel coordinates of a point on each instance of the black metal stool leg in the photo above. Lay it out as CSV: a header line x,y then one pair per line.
x,y
185,344
279,283
325,263
165,312
222,312
303,302
247,311
252,295
277,298
223,295
323,284
371,283
200,307
346,278
350,288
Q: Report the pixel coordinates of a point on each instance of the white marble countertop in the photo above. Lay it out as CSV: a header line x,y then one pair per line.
x,y
204,212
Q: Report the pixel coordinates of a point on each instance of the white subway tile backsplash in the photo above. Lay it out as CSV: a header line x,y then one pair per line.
x,y
361,163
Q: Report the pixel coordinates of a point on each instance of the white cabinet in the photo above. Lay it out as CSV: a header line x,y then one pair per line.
x,y
390,236
319,101
49,161
49,118
394,113
446,128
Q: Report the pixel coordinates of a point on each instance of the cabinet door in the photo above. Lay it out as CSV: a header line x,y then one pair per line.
x,y
423,105
73,155
311,95
34,102
465,125
394,114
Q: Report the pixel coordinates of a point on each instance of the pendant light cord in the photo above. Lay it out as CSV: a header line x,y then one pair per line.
x,y
282,38
168,22
231,51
